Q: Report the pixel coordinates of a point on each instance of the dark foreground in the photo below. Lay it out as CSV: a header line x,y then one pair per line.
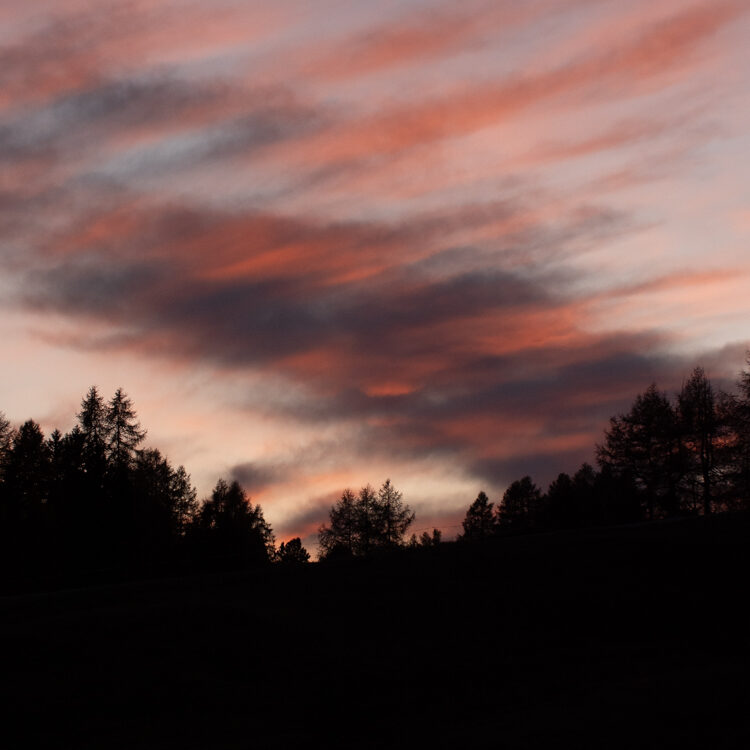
x,y
630,637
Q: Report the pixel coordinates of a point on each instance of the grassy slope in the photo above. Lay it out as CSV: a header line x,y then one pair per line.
x,y
630,637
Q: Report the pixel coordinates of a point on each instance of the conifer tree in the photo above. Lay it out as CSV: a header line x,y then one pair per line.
x,y
124,433
230,525
6,436
643,445
394,516
183,498
91,417
428,540
28,470
520,505
341,535
292,552
735,414
93,431
562,506
700,431
367,520
360,524
479,522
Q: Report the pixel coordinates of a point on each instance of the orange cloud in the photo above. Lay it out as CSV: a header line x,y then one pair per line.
x,y
406,231
664,50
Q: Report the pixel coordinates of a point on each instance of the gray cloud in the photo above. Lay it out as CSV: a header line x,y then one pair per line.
x,y
428,334
158,282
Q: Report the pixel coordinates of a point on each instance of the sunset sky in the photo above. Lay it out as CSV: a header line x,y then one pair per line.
x,y
324,243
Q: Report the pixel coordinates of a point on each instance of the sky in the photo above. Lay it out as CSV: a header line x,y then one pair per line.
x,y
324,243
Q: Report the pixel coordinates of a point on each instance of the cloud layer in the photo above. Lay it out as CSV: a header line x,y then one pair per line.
x,y
443,244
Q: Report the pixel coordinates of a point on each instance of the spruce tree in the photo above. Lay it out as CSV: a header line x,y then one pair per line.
x,y
293,553
28,470
479,523
520,505
230,526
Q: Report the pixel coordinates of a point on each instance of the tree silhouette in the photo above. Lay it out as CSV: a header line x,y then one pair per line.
x,y
735,445
6,436
479,523
429,540
588,503
123,432
92,419
643,444
700,430
5,432
620,498
360,524
368,520
93,432
94,498
292,552
76,502
520,505
151,502
231,527
27,471
561,505
394,517
341,535
183,500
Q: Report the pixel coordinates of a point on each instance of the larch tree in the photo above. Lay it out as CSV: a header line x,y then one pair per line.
x,y
394,516
184,502
359,524
735,445
92,417
341,534
6,436
93,430
700,431
123,431
368,520
643,444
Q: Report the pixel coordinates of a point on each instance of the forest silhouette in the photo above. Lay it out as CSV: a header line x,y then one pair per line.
x,y
96,500
604,612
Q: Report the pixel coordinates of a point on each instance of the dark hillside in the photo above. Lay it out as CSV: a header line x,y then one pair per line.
x,y
623,637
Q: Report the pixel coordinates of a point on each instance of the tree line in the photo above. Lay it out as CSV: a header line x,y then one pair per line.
x,y
370,522
686,455
96,499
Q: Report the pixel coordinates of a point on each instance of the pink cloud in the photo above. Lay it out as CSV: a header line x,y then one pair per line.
x,y
423,230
